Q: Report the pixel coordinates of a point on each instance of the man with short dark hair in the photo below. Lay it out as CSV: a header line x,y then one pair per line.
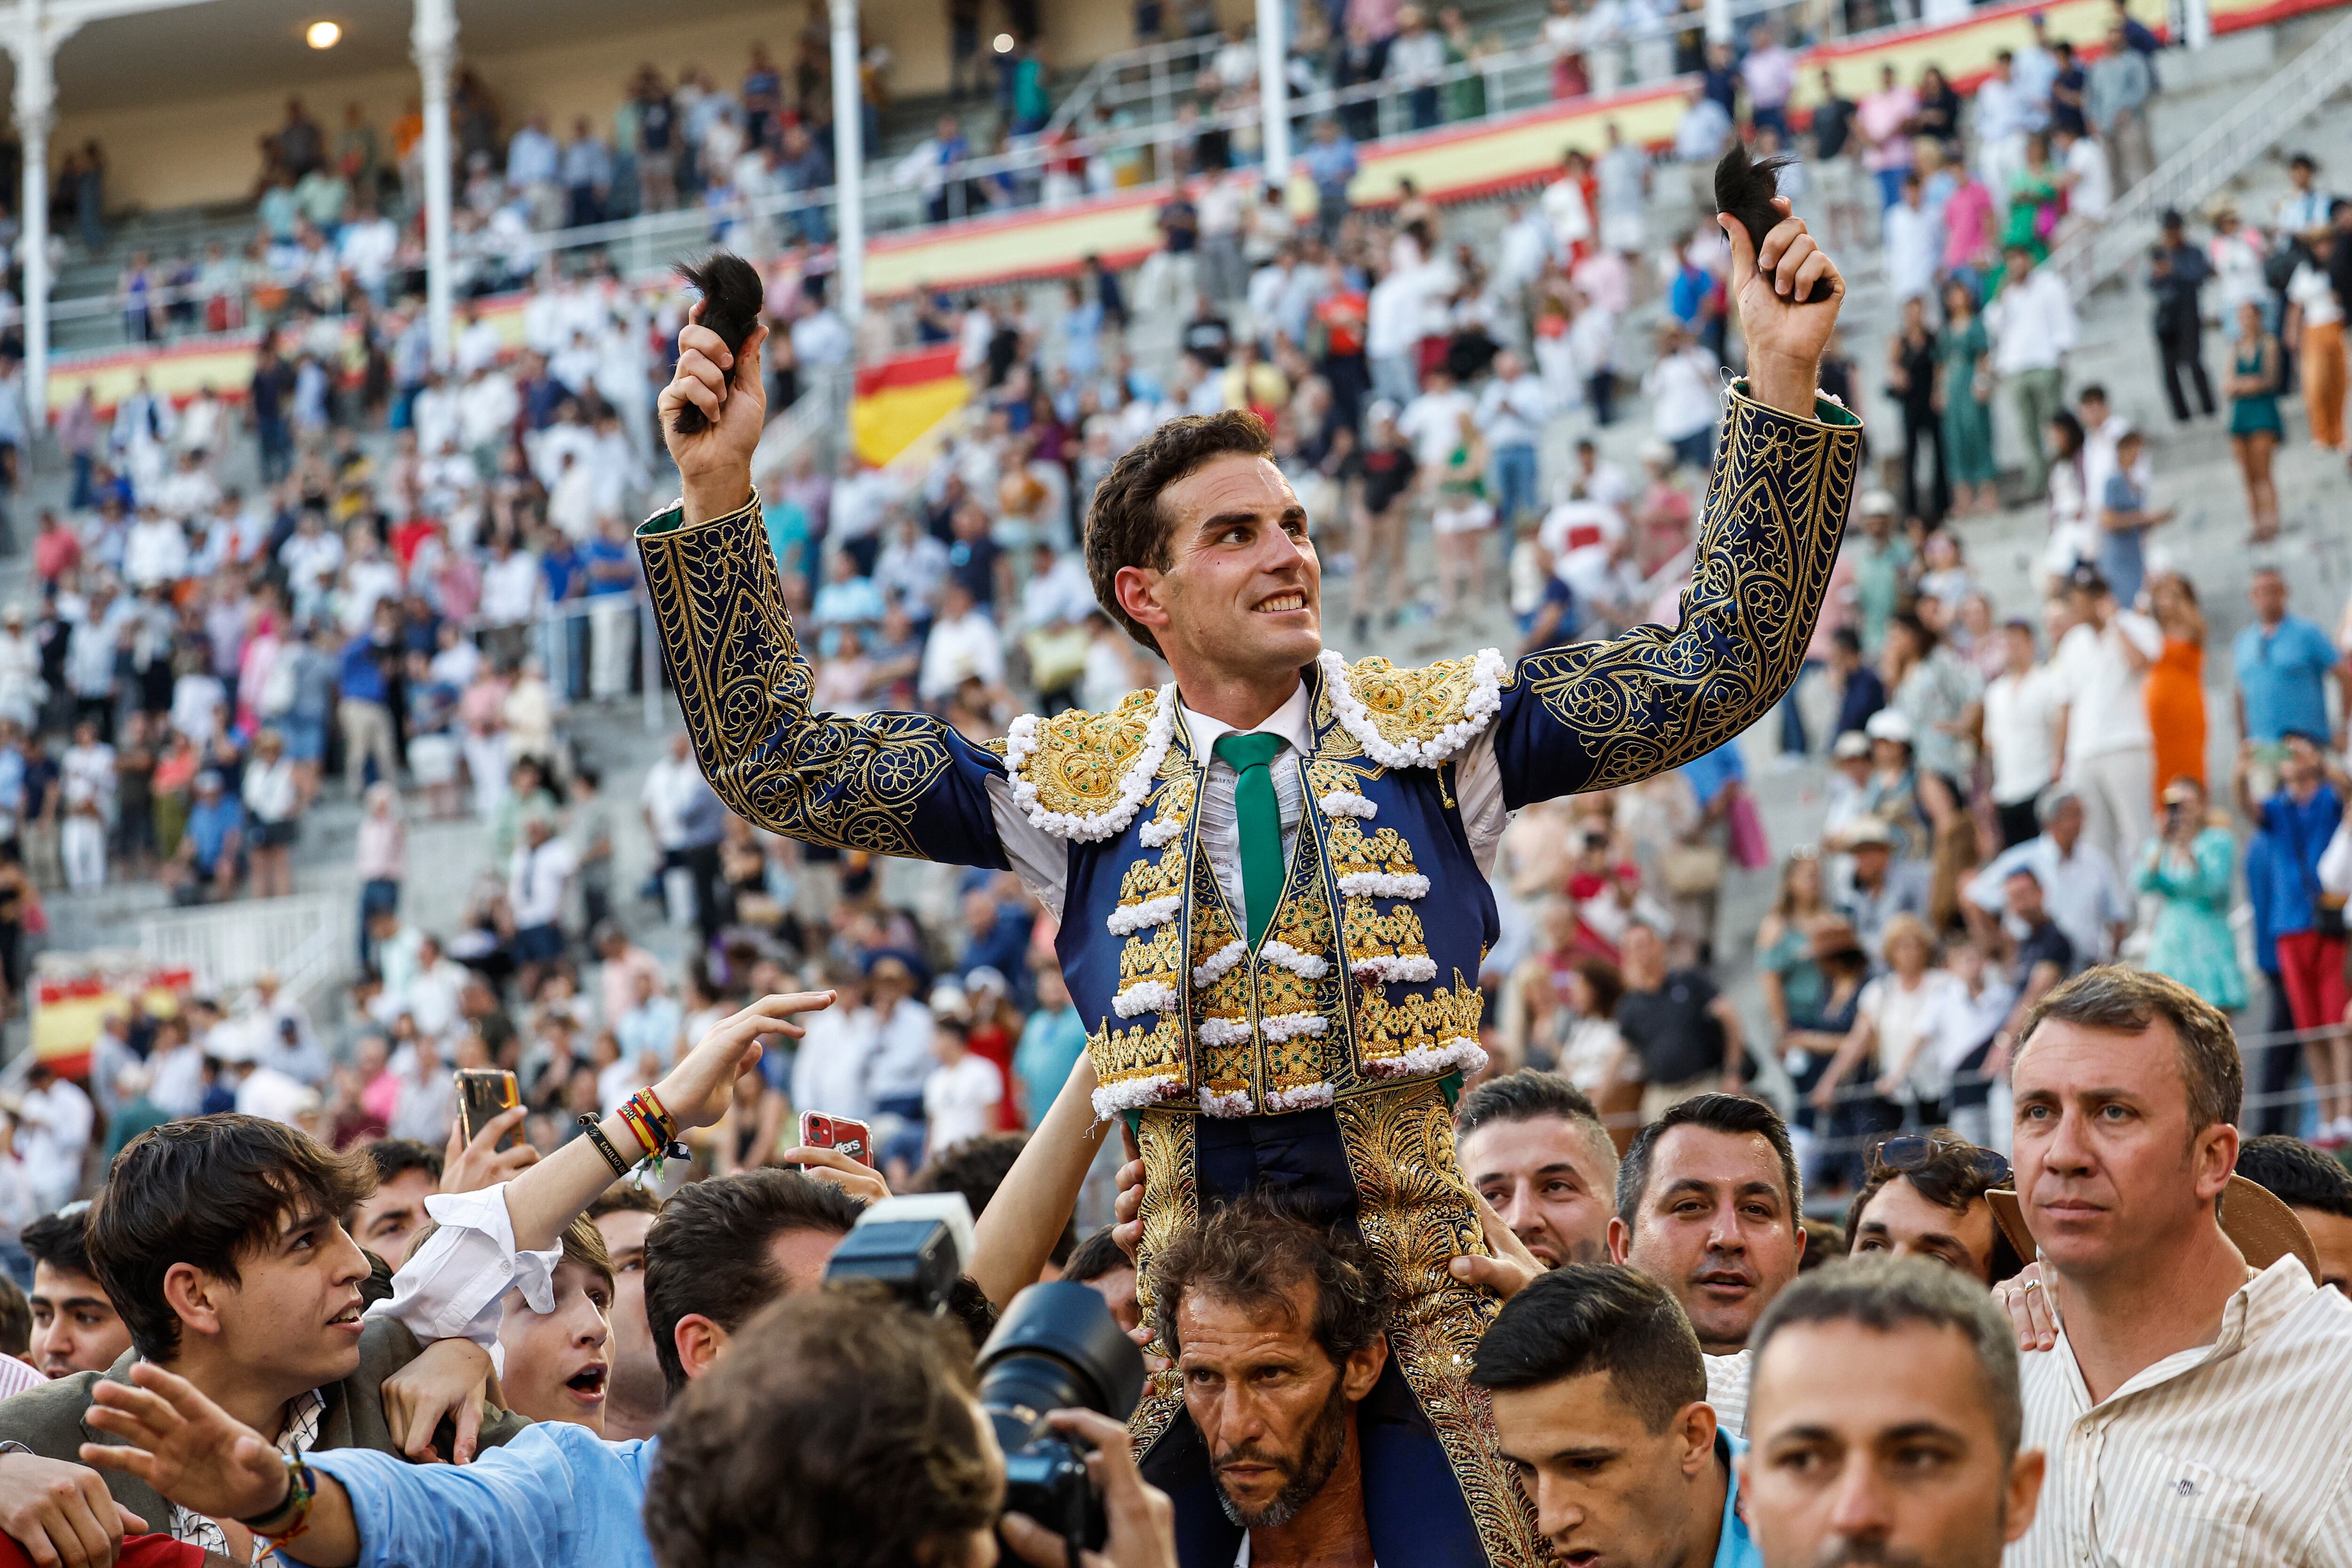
x,y
2319,1190
1687,1033
1101,1263
406,1173
75,1327
721,1251
1535,1149
1925,1198
637,1391
1884,1423
1277,1330
2190,1404
1221,992
1601,1405
1708,1205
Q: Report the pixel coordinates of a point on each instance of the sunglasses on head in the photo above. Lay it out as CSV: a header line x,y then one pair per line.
x,y
1914,1151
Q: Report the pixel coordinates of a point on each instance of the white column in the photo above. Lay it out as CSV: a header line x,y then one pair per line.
x,y
2197,21
1274,92
432,41
849,170
1720,29
34,48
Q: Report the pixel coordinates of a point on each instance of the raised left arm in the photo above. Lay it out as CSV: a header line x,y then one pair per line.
x,y
1598,715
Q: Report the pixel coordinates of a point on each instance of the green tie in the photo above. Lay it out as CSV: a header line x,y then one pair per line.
x,y
1258,816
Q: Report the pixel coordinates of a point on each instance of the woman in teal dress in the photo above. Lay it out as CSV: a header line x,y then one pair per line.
x,y
2255,428
1963,380
2189,868
2032,200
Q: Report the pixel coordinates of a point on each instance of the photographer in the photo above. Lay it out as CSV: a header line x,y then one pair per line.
x,y
845,1436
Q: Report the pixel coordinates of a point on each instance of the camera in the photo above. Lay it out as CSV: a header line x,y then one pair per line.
x,y
914,1244
1056,1348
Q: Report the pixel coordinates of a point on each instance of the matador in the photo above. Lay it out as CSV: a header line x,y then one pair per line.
x,y
1271,872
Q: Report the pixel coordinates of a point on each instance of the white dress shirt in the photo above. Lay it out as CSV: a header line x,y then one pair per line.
x,y
2032,322
2223,1456
1043,860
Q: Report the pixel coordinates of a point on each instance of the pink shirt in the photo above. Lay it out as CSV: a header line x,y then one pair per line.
x,y
1881,116
1967,226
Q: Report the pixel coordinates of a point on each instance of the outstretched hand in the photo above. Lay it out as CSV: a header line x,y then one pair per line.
x,y
183,1446
714,466
698,1088
1785,338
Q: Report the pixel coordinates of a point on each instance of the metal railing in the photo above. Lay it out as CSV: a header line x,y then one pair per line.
x,y
2249,129
304,939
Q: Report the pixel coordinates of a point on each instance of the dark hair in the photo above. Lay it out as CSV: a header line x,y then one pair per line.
x,y
15,1318
1125,526
708,1253
1950,1181
624,1197
2296,1174
1597,1317
1252,1251
2092,390
1732,1113
1529,1094
61,1240
207,1192
395,1158
977,1167
1883,1294
1094,1257
2125,1001
843,1437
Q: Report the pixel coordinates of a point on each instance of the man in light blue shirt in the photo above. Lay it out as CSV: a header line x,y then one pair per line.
x,y
2282,663
1600,1400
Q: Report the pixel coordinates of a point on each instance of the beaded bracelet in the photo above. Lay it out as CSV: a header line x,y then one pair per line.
x,y
291,1517
590,1125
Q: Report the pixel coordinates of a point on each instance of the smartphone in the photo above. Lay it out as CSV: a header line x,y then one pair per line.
x,y
482,1094
845,1133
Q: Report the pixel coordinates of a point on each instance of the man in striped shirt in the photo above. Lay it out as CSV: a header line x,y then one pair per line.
x,y
2191,1406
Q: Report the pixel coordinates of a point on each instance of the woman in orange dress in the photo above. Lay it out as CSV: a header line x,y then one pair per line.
x,y
2176,685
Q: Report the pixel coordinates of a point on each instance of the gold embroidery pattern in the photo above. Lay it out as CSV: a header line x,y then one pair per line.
x,y
1153,1048
851,783
1384,852
1081,758
1652,699
1300,1065
1224,1062
1152,956
1171,1205
1417,1214
1410,704
1397,1037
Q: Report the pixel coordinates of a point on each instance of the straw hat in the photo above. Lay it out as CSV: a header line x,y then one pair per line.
x,y
2264,1227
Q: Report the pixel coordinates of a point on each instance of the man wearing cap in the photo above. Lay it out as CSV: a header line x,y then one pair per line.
x,y
213,847
1269,875
2192,1404
1880,886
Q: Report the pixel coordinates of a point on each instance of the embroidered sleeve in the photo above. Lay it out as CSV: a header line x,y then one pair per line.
x,y
1597,715
892,783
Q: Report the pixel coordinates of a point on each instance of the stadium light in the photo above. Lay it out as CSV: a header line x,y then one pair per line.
x,y
323,34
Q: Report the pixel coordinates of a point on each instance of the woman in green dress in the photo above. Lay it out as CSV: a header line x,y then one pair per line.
x,y
2032,200
2255,428
1963,394
2189,868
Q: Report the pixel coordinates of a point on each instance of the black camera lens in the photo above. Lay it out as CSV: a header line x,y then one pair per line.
x,y
1056,1348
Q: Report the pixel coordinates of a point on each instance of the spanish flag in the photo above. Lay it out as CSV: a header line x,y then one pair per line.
x,y
902,399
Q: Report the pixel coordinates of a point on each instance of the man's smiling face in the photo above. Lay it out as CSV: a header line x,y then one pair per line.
x,y
1242,590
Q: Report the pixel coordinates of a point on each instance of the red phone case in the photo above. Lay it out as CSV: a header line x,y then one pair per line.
x,y
846,1134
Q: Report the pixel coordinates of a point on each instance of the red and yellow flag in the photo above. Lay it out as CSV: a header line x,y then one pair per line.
x,y
902,399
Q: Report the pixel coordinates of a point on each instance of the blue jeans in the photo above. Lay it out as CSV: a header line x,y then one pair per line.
x,y
1515,481
1890,186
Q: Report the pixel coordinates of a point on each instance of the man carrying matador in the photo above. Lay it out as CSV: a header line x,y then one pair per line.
x,y
1271,874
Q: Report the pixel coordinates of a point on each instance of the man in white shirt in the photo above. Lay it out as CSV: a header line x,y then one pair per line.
x,y
1510,414
964,644
2191,1404
961,1094
2079,887
1433,422
2102,678
2103,433
2022,707
53,1126
2090,184
537,883
487,406
154,551
1685,392
1915,244
2032,324
2003,116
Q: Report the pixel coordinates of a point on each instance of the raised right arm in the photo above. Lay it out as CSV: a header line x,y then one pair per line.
x,y
892,783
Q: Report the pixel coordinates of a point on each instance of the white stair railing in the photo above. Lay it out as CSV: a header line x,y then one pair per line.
x,y
305,940
2212,158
